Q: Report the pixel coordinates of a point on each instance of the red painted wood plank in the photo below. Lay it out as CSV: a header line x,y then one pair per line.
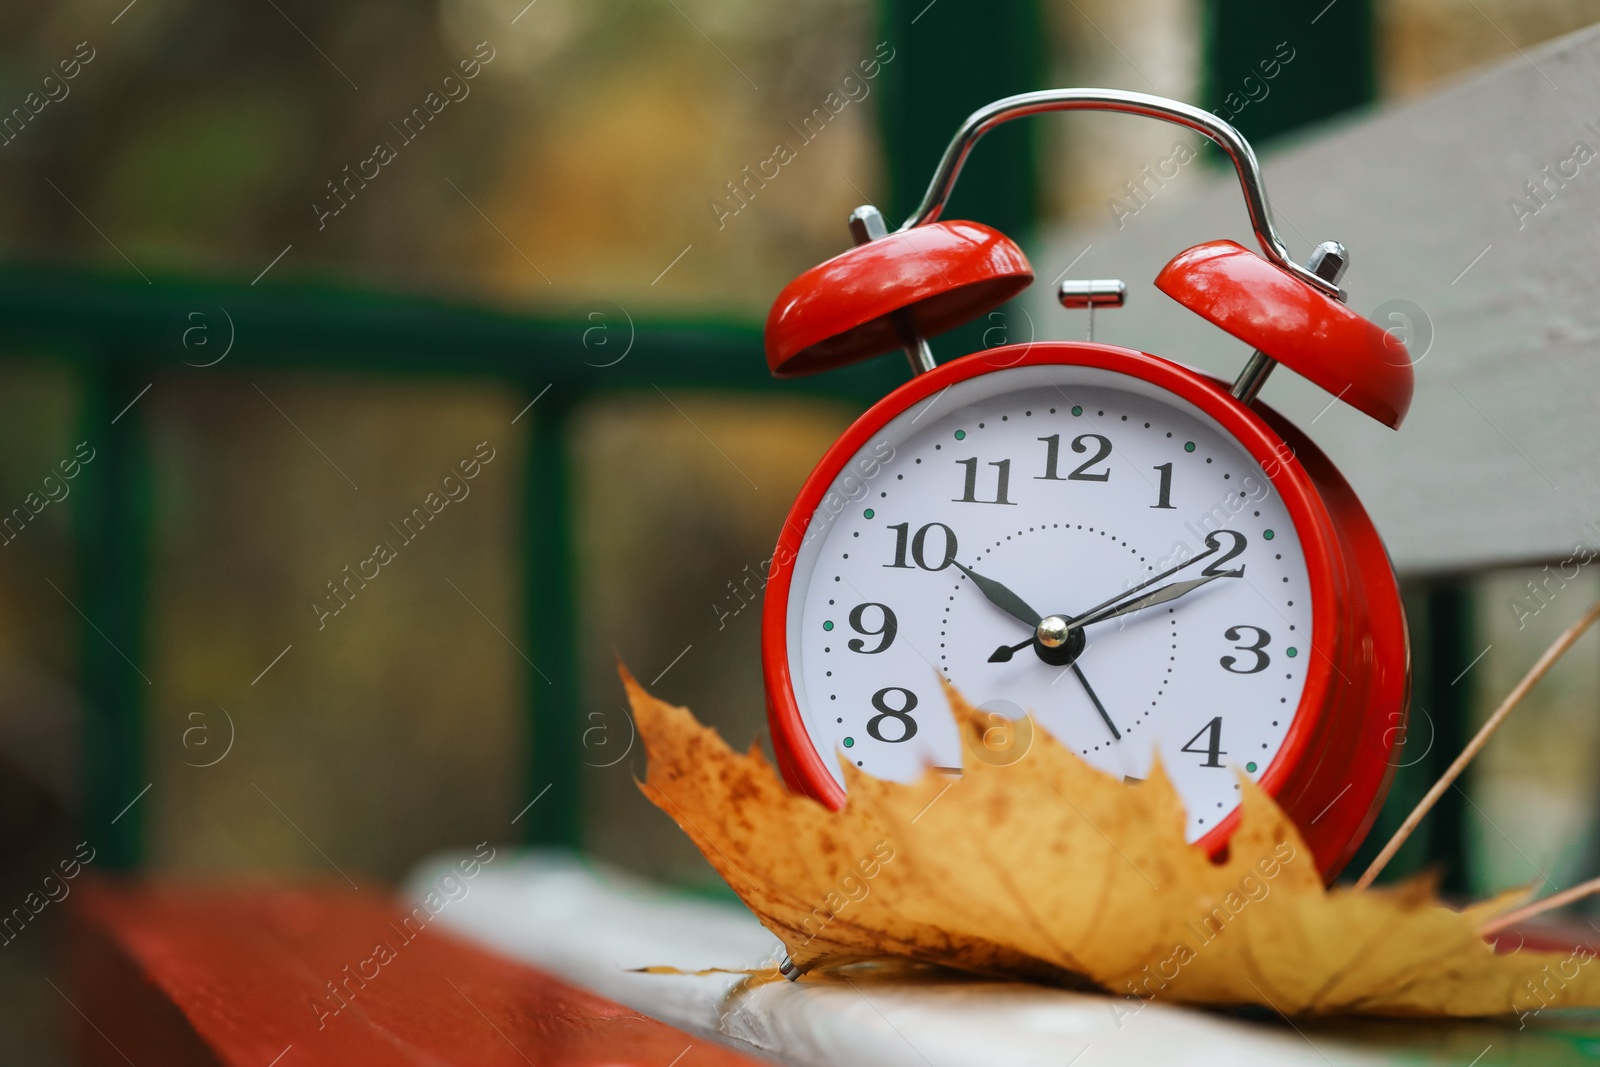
x,y
169,974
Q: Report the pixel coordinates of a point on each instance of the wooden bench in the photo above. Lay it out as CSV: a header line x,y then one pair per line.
x,y
294,977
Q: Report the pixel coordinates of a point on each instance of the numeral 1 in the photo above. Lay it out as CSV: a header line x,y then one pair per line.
x,y
1164,493
969,493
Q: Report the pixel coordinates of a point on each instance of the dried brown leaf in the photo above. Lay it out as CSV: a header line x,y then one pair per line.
x,y
1047,869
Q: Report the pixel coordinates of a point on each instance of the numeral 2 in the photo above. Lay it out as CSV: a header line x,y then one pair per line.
x,y
969,493
1214,543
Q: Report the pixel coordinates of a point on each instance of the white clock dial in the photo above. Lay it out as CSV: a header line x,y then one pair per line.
x,y
1067,486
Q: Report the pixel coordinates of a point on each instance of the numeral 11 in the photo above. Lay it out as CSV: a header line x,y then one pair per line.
x,y
969,493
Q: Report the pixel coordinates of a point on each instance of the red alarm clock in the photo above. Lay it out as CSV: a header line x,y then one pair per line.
x,y
1139,557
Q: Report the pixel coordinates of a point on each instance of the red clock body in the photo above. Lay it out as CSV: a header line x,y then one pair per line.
x,y
1067,474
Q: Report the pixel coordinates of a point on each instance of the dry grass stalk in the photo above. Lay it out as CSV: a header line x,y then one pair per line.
x,y
1529,680
1539,907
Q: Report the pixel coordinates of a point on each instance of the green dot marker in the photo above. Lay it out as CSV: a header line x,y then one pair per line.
x,y
1076,410
961,435
829,625
1293,652
849,742
1188,446
1251,767
868,514
1267,534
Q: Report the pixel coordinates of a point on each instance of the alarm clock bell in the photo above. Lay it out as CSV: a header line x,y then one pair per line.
x,y
895,290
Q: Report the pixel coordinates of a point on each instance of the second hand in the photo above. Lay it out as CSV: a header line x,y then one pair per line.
x,y
1101,708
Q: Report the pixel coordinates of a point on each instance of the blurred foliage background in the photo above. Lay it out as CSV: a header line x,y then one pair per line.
x,y
582,173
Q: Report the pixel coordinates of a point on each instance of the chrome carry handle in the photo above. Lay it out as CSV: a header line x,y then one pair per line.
x,y
1226,137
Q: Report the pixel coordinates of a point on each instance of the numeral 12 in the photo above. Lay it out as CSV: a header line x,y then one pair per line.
x,y
1052,459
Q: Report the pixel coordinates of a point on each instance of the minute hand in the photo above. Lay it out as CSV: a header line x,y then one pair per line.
x,y
1111,611
1211,549
1148,600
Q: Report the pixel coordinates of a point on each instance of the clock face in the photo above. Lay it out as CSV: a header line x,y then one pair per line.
x,y
1063,493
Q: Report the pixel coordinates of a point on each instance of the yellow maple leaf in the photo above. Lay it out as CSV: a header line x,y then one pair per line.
x,y
1043,868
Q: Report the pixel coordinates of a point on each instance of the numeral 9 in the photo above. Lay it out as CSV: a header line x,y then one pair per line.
x,y
887,628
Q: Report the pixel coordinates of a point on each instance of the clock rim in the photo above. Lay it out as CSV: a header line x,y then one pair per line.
x,y
800,761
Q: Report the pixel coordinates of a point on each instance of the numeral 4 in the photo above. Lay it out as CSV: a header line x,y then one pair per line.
x,y
1213,734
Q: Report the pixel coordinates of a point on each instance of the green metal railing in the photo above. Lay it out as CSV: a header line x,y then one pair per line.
x,y
122,335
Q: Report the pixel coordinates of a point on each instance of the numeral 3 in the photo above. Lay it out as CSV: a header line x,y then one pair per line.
x,y
1258,649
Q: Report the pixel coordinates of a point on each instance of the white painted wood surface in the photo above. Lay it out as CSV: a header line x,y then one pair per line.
x,y
592,926
1499,461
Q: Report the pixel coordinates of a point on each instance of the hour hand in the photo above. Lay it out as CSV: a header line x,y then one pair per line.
x,y
1001,597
